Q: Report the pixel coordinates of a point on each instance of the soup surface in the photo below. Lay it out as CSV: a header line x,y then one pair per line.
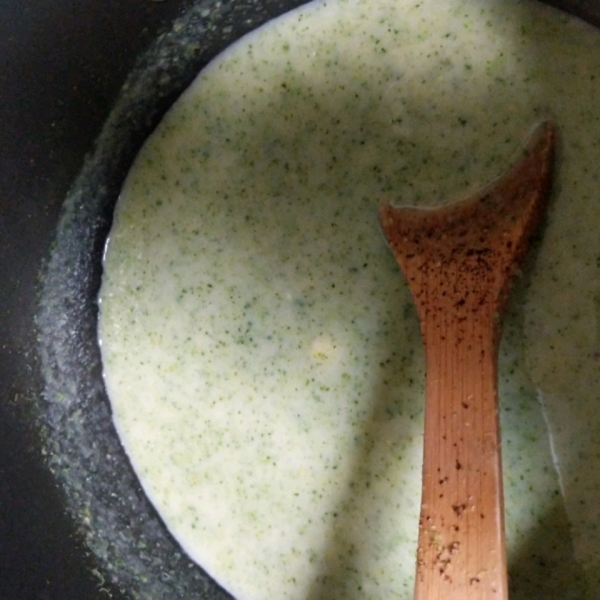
x,y
261,349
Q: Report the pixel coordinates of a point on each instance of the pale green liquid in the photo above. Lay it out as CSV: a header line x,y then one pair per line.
x,y
261,349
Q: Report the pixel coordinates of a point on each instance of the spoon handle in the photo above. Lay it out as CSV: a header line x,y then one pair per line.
x,y
461,550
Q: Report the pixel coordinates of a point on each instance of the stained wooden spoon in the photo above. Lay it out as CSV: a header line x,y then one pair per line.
x,y
458,261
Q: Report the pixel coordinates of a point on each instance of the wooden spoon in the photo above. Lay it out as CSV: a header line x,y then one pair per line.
x,y
458,261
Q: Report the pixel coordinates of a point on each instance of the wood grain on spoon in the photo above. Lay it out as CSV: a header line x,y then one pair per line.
x,y
459,261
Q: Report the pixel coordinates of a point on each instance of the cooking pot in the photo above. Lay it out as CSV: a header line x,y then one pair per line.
x,y
86,78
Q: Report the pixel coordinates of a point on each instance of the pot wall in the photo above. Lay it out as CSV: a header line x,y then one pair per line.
x,y
61,66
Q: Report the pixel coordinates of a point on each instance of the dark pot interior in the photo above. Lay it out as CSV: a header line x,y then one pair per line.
x,y
73,520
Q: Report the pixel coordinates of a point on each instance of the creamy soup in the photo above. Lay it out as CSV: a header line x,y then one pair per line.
x,y
262,353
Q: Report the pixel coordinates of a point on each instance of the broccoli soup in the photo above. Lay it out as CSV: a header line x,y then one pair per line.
x,y
261,349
